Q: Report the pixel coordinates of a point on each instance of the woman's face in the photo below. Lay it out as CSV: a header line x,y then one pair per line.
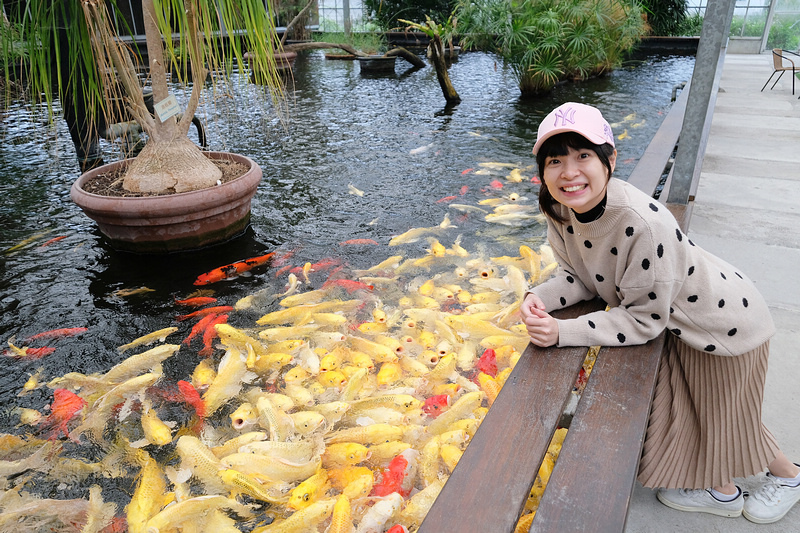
x,y
577,180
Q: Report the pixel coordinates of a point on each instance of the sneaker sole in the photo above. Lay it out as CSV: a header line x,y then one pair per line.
x,y
710,510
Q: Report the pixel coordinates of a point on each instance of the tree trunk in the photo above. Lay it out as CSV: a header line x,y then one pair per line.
x,y
437,56
170,166
169,162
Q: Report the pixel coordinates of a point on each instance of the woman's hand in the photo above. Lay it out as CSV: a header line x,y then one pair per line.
x,y
542,328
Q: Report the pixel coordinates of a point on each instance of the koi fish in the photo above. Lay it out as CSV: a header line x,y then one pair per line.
x,y
208,310
51,241
123,293
446,199
200,327
353,190
392,478
233,269
348,284
487,363
434,405
197,301
159,335
27,352
64,407
56,334
495,184
467,171
358,241
397,528
192,397
210,333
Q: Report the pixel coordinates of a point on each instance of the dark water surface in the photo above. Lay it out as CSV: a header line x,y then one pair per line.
x,y
389,136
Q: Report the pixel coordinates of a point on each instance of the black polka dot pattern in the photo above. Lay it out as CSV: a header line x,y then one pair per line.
x,y
629,231
599,278
587,244
721,303
676,332
710,348
570,230
592,325
660,251
692,299
563,301
614,251
655,316
654,207
652,296
645,263
620,338
570,279
744,302
679,235
732,332
691,270
723,275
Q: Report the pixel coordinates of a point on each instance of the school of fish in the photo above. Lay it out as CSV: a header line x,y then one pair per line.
x,y
340,404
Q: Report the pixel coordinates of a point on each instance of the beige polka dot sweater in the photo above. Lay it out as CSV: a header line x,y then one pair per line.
x,y
651,275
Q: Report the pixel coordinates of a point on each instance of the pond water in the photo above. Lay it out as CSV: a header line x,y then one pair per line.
x,y
361,157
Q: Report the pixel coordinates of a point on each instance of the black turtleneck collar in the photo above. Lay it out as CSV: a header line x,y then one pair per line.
x,y
594,213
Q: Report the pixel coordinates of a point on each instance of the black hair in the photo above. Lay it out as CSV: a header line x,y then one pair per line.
x,y
558,146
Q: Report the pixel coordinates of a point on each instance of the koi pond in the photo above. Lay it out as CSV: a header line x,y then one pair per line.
x,y
346,375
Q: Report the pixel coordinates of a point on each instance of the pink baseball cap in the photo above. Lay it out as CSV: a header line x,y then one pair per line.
x,y
580,118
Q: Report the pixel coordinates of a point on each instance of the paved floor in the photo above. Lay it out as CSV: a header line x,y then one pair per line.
x,y
747,211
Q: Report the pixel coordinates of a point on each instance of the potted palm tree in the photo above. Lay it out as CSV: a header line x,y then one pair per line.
x,y
172,195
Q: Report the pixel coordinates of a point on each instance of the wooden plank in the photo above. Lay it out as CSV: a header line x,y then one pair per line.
x,y
488,488
593,479
647,173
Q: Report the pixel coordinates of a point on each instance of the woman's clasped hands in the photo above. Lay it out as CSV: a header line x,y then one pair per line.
x,y
542,328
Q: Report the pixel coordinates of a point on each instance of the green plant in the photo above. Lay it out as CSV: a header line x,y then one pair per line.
x,y
784,32
692,25
665,17
386,13
369,42
547,41
211,34
752,26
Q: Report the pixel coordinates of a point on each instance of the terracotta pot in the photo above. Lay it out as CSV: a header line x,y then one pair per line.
x,y
174,222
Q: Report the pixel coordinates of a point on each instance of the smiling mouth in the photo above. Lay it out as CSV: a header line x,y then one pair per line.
x,y
573,188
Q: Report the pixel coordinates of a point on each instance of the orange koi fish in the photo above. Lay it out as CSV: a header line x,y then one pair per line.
x,y
200,327
357,241
203,312
197,301
192,397
487,363
57,333
467,171
446,199
495,184
464,189
397,528
65,406
51,241
435,405
535,179
233,269
349,285
392,478
210,333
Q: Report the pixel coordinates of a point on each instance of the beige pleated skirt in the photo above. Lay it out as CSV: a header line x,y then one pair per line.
x,y
705,420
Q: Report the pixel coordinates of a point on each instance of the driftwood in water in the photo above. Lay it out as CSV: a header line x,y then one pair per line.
x,y
299,47
437,57
405,54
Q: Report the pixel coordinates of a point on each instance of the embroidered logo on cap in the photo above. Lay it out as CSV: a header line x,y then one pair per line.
x,y
565,116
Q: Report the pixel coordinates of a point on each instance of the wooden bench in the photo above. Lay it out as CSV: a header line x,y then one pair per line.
x,y
593,479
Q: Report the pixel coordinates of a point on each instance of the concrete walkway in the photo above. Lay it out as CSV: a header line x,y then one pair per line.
x,y
747,211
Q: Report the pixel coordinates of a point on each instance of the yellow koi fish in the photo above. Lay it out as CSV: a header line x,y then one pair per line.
x,y
309,491
150,338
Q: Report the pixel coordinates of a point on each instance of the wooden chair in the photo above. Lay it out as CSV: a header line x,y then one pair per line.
x,y
778,55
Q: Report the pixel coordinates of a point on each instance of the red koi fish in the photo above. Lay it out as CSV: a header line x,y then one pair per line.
x,y
464,189
435,405
232,270
57,333
207,311
446,199
495,184
536,180
51,241
200,327
397,528
487,363
209,334
65,406
192,397
392,478
358,241
29,353
197,301
350,285
467,171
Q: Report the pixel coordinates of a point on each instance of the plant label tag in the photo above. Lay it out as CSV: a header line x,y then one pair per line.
x,y
166,108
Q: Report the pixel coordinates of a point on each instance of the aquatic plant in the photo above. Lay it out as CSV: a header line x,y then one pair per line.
x,y
549,41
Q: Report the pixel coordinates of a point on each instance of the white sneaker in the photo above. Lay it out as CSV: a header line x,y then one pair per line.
x,y
770,502
700,501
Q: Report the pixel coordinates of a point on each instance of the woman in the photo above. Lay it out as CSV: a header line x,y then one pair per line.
x,y
614,242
